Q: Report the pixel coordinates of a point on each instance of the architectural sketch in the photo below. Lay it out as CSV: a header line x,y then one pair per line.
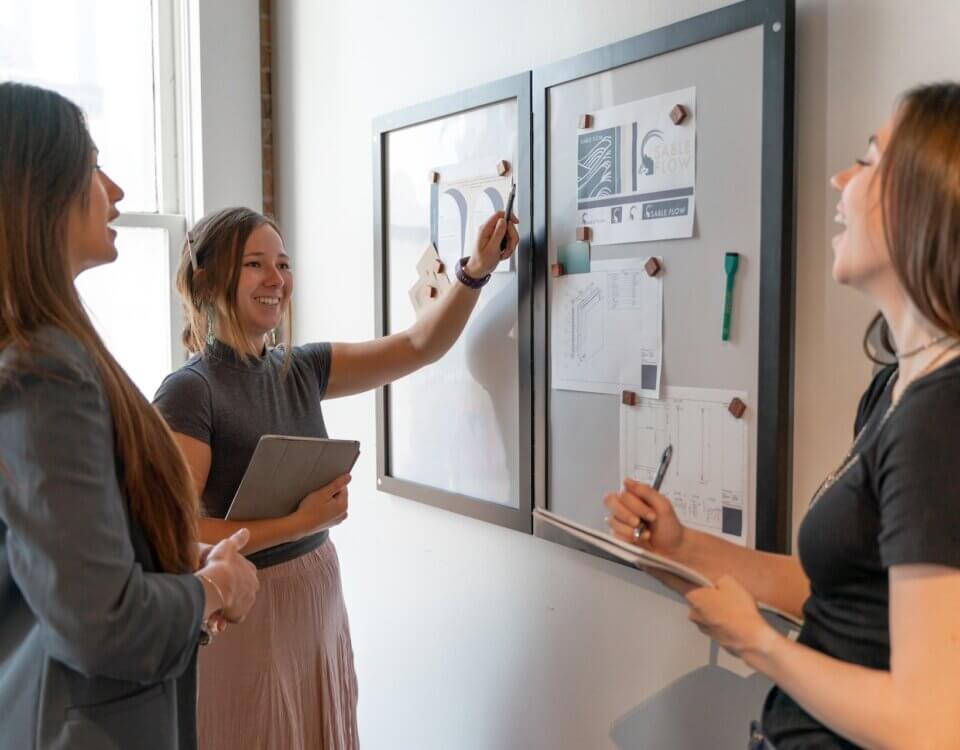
x,y
586,326
606,329
707,481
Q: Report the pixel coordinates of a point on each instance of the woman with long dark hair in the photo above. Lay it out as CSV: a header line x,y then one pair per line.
x,y
100,609
878,575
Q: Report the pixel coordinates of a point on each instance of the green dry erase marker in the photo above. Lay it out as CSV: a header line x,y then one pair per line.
x,y
730,263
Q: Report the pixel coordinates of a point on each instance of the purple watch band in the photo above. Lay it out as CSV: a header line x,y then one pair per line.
x,y
467,280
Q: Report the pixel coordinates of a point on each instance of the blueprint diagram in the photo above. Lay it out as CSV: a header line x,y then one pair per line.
x,y
606,329
707,481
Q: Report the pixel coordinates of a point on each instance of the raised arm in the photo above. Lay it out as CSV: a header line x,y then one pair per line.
x,y
69,545
359,367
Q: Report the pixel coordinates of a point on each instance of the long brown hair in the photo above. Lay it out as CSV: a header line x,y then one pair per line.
x,y
215,245
45,169
920,196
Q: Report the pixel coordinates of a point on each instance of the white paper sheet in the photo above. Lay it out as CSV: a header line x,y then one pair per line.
x,y
605,329
468,193
708,478
636,170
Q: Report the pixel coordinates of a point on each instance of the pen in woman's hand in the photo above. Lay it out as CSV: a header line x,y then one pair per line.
x,y
657,481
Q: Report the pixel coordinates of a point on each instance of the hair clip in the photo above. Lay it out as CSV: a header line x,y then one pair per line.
x,y
193,253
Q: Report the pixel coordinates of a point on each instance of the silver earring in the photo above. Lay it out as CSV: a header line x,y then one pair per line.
x,y
210,337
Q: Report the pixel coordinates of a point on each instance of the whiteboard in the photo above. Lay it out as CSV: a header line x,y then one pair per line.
x,y
454,433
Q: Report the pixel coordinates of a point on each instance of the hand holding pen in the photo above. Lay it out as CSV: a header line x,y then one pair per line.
x,y
508,213
640,515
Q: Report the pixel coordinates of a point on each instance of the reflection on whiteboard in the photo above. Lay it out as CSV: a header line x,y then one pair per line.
x,y
707,478
606,329
636,170
467,194
455,424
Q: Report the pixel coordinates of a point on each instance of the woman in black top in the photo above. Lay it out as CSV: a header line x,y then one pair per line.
x,y
878,575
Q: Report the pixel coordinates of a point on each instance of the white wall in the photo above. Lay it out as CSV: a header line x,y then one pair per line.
x,y
229,71
469,636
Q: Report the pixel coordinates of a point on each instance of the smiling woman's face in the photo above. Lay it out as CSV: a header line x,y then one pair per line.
x,y
861,256
265,284
90,238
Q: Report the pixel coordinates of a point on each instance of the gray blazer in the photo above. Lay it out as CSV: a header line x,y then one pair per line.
x,y
97,649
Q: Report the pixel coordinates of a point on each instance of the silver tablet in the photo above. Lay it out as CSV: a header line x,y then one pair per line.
x,y
283,470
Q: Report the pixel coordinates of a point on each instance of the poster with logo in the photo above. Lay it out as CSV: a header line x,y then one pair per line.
x,y
636,170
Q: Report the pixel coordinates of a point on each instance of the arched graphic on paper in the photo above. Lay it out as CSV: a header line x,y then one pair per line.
x,y
496,200
460,199
646,162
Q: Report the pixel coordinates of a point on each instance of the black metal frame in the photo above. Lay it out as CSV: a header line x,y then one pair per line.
x,y
516,87
775,385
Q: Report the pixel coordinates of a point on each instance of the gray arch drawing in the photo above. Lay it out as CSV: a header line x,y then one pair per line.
x,y
495,198
461,200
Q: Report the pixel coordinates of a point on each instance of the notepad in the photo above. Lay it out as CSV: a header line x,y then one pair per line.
x,y
547,525
284,469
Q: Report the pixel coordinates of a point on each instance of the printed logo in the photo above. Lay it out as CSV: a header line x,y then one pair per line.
x,y
647,165
598,164
666,209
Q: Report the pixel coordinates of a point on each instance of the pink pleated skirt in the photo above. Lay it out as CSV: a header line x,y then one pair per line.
x,y
284,679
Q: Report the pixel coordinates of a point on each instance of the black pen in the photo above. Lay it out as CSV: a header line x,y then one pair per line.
x,y
657,481
513,194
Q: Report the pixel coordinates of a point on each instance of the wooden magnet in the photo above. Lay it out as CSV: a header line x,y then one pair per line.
x,y
586,122
584,234
652,266
503,167
434,177
628,398
433,292
556,270
678,114
438,266
737,408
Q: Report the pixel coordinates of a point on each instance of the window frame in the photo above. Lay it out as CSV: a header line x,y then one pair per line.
x,y
176,112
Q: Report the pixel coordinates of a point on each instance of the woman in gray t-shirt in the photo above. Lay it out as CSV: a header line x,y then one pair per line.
x,y
286,678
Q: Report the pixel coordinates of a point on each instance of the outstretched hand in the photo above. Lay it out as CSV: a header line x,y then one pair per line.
x,y
487,254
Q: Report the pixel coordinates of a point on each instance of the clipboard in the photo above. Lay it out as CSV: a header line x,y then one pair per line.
x,y
284,469
549,526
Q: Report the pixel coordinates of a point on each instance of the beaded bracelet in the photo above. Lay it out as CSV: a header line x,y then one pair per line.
x,y
469,280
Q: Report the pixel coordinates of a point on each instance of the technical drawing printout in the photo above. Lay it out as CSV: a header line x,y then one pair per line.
x,y
636,170
707,481
606,329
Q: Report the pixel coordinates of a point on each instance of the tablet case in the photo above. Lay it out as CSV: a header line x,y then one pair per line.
x,y
283,470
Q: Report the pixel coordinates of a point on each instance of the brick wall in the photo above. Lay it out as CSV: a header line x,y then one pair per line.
x,y
266,105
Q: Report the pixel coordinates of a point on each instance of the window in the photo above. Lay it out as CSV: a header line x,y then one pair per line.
x,y
120,60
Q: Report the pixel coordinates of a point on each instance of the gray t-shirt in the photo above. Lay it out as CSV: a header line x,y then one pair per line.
x,y
229,403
